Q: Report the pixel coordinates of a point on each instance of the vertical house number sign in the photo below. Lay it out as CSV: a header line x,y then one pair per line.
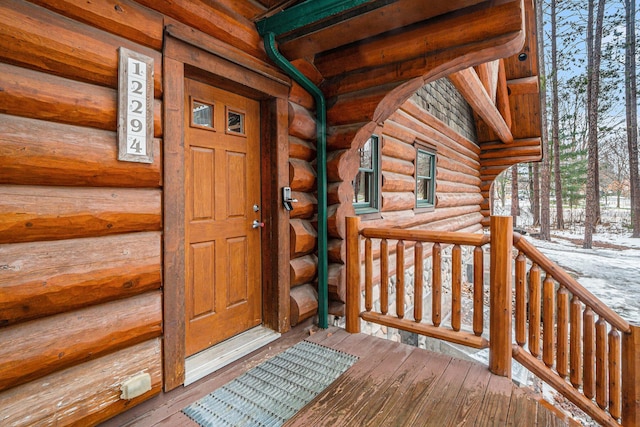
x,y
135,107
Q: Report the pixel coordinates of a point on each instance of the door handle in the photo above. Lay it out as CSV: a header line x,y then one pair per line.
x,y
257,224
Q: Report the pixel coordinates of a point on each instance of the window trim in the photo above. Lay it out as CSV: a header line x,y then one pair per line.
x,y
371,209
422,205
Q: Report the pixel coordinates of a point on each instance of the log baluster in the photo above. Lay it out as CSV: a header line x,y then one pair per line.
x,y
478,291
589,357
456,287
400,279
534,310
548,320
615,386
418,281
436,285
562,343
521,314
368,275
601,363
353,275
575,357
384,276
631,377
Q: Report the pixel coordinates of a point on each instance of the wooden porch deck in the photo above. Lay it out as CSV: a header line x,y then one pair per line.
x,y
392,384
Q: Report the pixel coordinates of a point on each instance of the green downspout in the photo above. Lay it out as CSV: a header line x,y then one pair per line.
x,y
321,124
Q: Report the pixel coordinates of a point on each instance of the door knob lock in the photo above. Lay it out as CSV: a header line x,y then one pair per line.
x,y
287,200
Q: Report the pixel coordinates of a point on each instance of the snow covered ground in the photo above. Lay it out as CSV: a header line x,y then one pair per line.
x,y
611,274
611,270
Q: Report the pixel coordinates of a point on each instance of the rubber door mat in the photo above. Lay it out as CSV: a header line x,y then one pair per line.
x,y
272,392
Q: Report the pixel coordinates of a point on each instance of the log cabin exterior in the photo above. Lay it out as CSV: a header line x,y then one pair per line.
x,y
106,265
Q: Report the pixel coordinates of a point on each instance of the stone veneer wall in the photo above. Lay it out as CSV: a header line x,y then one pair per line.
x,y
443,100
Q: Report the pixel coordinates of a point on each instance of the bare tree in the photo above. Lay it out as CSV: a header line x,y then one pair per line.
x,y
555,119
545,190
534,192
594,55
631,99
615,158
515,201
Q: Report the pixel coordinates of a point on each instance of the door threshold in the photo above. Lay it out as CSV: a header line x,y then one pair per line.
x,y
220,355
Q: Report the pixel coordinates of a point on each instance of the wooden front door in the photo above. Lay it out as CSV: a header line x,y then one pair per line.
x,y
223,294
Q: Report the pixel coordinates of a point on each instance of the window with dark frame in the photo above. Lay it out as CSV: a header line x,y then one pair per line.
x,y
365,185
425,177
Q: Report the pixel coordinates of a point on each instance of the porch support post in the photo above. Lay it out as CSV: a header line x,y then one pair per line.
x,y
353,275
631,377
500,318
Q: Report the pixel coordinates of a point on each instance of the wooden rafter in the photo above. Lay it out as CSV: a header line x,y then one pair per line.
x,y
524,85
502,95
488,73
469,85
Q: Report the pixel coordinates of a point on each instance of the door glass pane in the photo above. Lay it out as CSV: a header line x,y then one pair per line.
x,y
235,122
202,114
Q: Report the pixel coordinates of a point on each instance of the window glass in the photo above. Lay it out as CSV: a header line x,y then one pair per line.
x,y
202,114
365,185
425,178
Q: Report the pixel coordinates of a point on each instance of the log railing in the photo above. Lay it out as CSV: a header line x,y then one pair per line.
x,y
563,334
573,341
395,316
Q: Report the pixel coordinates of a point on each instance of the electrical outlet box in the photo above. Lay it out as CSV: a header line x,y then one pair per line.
x,y
135,386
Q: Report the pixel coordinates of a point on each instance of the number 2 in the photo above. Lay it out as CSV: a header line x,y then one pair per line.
x,y
136,106
137,87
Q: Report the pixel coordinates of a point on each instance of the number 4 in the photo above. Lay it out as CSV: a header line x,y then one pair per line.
x,y
135,145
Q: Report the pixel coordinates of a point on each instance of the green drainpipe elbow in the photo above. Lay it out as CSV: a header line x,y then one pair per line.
x,y
321,124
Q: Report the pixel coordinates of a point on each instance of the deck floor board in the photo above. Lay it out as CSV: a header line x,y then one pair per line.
x,y
391,384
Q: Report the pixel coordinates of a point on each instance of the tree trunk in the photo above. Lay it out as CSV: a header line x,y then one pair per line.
x,y
631,99
535,203
555,120
594,54
545,223
515,202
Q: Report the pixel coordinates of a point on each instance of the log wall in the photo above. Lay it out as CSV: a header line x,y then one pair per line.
x,y
438,116
302,180
80,231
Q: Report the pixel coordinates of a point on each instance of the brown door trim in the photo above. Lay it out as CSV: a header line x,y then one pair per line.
x,y
186,60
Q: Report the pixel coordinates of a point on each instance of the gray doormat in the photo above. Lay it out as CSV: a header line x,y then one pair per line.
x,y
272,392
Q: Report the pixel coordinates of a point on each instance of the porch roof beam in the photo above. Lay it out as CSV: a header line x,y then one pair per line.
x,y
469,85
372,19
299,17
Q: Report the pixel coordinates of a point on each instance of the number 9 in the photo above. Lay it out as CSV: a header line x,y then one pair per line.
x,y
136,125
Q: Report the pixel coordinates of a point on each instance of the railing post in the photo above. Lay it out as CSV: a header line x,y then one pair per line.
x,y
500,317
353,275
631,377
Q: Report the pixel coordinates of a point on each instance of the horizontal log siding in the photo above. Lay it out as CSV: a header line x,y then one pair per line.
x,y
457,168
303,267
458,194
80,231
90,391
